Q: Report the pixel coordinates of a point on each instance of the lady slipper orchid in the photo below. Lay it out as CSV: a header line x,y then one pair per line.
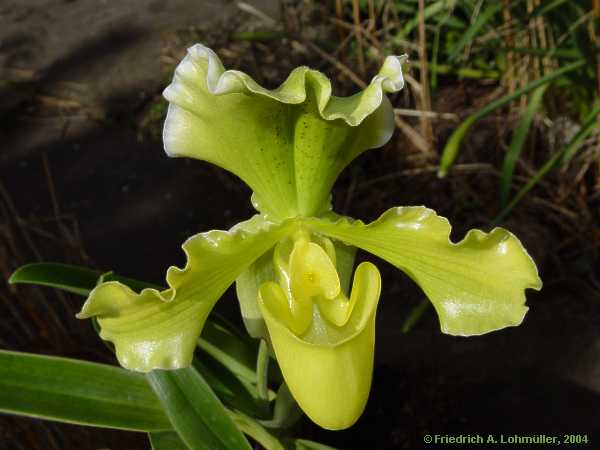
x,y
293,261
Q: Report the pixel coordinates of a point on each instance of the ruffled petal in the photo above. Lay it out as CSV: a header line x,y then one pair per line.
x,y
288,144
476,285
159,330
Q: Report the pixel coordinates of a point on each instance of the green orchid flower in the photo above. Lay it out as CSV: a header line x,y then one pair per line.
x,y
293,261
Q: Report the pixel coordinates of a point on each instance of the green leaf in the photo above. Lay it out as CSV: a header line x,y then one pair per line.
x,y
476,285
452,147
433,9
75,279
166,440
517,142
196,413
485,16
160,329
288,144
78,392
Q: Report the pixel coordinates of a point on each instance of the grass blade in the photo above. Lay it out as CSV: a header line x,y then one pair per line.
x,y
452,147
560,158
468,36
545,7
430,11
79,392
518,141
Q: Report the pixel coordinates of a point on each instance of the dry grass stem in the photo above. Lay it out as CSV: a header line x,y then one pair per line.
x,y
425,97
412,134
358,35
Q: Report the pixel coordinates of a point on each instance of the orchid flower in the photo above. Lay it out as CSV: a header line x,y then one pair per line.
x,y
292,262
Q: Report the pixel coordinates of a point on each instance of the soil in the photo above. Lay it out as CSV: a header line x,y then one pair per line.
x,y
83,181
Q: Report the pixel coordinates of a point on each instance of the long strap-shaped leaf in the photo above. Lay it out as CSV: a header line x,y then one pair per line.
x,y
486,15
78,392
517,142
75,279
84,393
195,411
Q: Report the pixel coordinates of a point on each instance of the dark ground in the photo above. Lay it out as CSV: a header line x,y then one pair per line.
x,y
83,180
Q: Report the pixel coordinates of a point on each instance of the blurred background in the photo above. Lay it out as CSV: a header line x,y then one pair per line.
x,y
502,96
